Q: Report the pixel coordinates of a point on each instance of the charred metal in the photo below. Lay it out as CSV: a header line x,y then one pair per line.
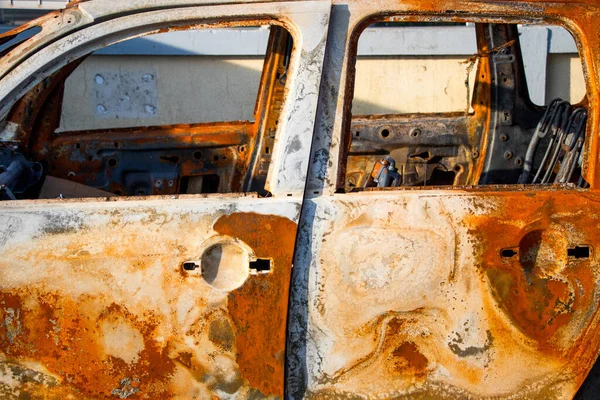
x,y
435,255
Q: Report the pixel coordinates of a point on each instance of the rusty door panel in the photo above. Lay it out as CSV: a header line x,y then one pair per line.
x,y
94,302
434,294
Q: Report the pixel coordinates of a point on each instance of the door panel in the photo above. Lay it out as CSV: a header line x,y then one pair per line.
x,y
438,294
157,297
97,302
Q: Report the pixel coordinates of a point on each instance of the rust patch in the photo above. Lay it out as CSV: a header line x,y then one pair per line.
x,y
407,359
104,311
539,289
59,333
259,308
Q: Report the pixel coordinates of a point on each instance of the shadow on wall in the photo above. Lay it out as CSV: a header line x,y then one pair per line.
x,y
559,67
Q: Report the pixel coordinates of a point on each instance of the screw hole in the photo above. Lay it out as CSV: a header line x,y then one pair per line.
x,y
385,133
112,162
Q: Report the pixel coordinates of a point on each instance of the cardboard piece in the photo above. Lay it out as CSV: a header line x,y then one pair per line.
x,y
55,187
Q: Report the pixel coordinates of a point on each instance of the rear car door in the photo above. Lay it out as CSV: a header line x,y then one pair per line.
x,y
483,288
174,295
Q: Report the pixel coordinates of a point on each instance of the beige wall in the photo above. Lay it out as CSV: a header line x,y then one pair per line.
x,y
186,89
390,85
202,89
561,66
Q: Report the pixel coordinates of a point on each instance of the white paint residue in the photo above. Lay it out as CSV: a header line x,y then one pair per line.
x,y
122,341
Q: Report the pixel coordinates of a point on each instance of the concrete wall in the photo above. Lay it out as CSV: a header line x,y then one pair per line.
x,y
198,80
392,85
121,91
565,78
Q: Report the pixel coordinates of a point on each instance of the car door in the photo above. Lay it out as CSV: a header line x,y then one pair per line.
x,y
464,291
168,296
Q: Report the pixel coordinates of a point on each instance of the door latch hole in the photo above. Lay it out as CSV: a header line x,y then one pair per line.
x,y
260,266
190,266
579,252
507,253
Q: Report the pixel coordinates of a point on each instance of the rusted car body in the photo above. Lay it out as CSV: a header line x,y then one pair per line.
x,y
296,279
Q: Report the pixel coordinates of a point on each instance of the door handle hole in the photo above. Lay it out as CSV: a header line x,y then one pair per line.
x,y
507,253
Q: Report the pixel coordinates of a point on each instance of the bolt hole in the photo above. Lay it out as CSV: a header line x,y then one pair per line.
x,y
112,162
457,168
216,158
197,155
117,192
78,145
116,144
385,133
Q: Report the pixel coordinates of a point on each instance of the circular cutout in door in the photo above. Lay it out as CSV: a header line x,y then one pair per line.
x,y
225,263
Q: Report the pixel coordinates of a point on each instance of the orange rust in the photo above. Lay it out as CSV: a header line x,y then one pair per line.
x,y
100,344
259,307
541,290
408,359
60,335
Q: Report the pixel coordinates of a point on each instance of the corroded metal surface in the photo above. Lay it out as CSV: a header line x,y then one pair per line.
x,y
109,309
416,298
488,292
406,293
94,303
